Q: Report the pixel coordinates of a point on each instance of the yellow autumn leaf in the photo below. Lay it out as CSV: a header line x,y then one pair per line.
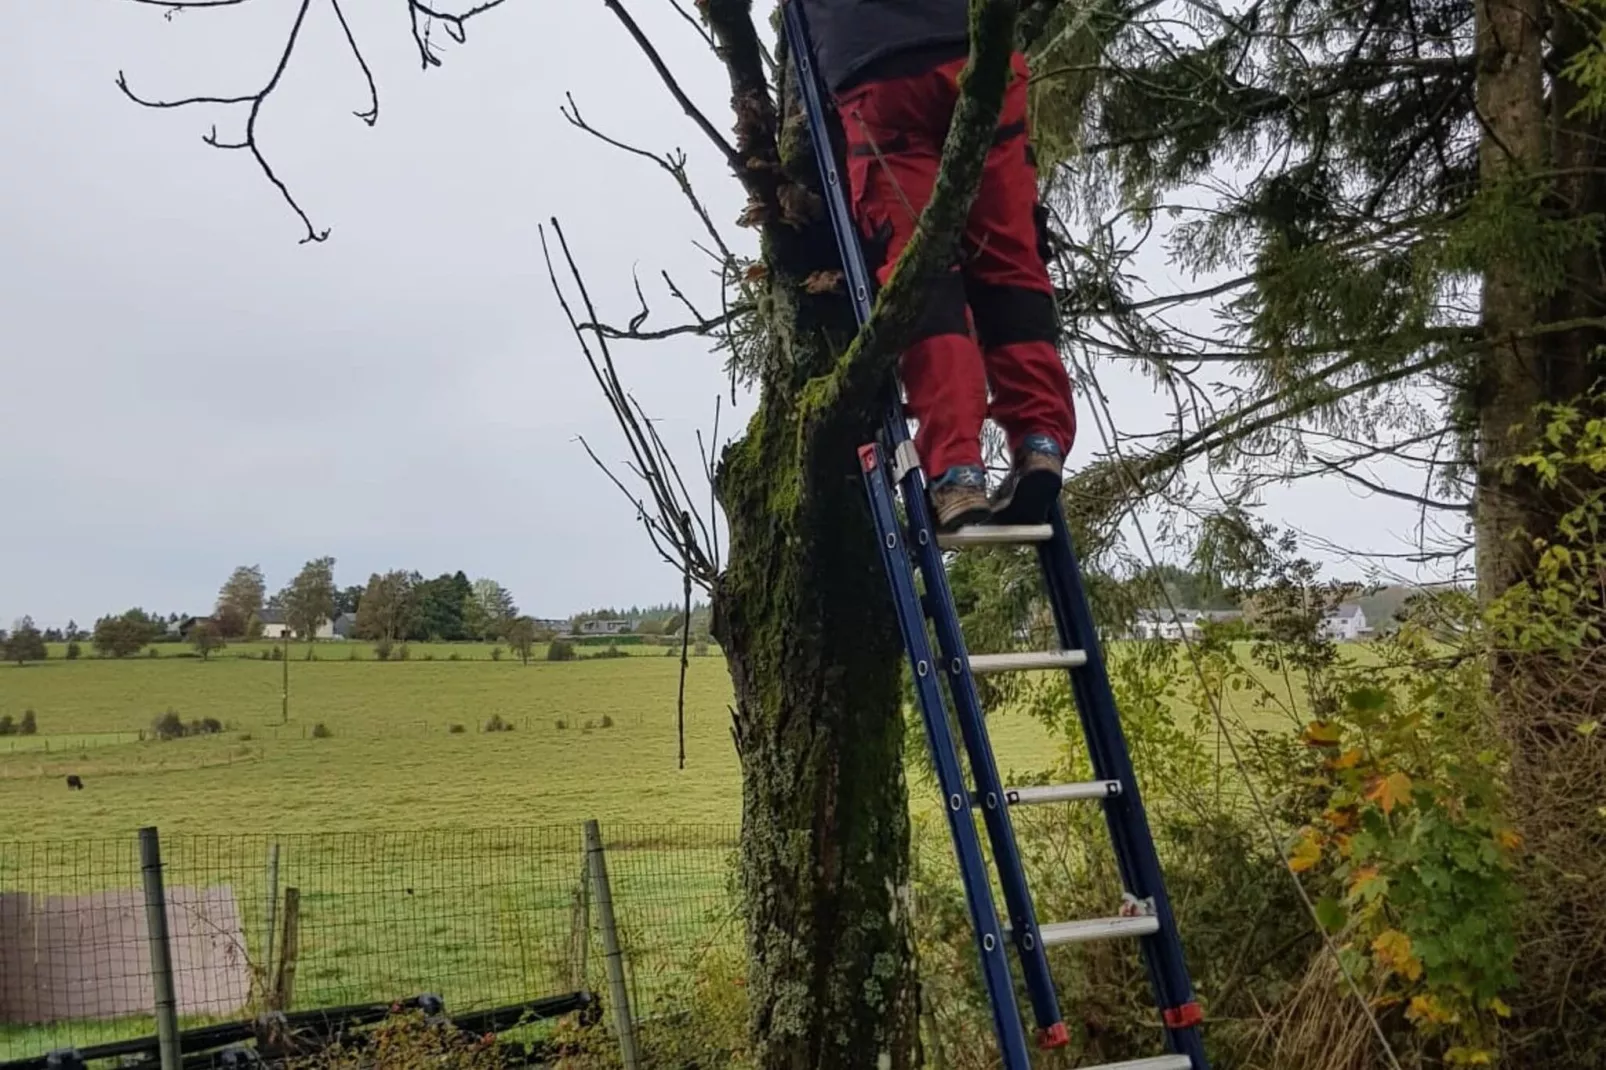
x,y
1427,1008
1498,1005
1391,791
1510,839
1346,760
1392,951
1361,880
1462,1056
1339,819
1321,734
1306,853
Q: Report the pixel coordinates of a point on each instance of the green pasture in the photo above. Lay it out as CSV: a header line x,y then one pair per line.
x,y
428,859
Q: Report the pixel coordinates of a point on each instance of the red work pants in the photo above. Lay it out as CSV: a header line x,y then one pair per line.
x,y
894,130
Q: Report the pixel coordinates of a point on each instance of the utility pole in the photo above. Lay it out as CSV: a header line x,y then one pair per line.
x,y
284,693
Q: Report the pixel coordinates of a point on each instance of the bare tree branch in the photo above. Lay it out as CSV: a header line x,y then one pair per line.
x,y
671,517
673,85
255,100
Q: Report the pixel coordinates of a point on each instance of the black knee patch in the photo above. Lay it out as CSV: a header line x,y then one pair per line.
x,y
1045,236
944,310
1006,315
874,246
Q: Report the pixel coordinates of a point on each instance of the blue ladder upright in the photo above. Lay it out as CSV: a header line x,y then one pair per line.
x,y
1145,912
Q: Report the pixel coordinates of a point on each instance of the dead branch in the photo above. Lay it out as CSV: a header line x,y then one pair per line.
x,y
674,523
673,84
255,100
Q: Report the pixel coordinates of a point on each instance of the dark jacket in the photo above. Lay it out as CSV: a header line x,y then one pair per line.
x,y
855,40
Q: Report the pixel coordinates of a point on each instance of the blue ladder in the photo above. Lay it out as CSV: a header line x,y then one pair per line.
x,y
1146,911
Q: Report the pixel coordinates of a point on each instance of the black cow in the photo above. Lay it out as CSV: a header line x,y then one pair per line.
x,y
75,782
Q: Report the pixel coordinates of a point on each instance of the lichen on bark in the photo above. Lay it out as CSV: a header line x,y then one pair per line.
x,y
802,608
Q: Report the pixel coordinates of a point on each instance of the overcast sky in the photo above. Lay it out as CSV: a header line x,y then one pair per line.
x,y
185,388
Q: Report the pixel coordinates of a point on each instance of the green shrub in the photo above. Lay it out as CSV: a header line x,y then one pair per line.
x,y
321,731
74,650
8,725
454,656
383,649
607,721
560,650
496,653
153,653
497,724
701,648
560,724
29,725
456,729
168,726
403,652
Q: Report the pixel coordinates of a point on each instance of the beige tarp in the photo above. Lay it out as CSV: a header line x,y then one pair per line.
x,y
66,957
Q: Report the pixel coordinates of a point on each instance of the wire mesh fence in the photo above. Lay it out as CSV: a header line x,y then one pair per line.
x,y
482,918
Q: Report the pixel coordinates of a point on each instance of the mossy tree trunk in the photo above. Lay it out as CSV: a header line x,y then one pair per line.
x,y
1544,323
802,608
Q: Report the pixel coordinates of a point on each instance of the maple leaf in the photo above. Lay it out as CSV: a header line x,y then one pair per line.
x,y
1392,951
1366,882
1346,760
755,271
1321,734
1306,852
1427,1008
822,282
1510,839
1391,791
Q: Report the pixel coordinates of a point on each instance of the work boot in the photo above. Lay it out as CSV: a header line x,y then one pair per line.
x,y
959,497
1033,483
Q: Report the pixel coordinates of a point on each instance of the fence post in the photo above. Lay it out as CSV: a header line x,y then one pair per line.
x,y
613,959
273,911
150,861
284,986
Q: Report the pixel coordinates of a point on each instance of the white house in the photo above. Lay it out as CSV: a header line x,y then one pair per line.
x,y
1166,624
1345,623
274,626
604,627
1178,624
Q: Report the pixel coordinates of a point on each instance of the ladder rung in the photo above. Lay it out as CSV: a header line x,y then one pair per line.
x,y
1052,793
1077,932
1027,660
995,535
1159,1062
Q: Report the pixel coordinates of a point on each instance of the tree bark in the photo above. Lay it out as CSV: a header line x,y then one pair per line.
x,y
1547,148
802,608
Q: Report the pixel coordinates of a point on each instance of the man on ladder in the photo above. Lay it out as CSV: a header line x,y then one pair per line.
x,y
892,66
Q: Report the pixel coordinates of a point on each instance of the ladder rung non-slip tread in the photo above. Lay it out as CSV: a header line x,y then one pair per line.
x,y
995,535
1159,1062
1028,660
1052,793
1077,932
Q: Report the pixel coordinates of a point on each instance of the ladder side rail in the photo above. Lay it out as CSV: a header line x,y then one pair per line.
x,y
1025,932
1128,824
945,757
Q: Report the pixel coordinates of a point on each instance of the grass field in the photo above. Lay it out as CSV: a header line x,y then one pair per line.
x,y
429,859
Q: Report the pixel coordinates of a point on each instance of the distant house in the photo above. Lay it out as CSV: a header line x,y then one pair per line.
x,y
1179,623
550,624
184,627
274,626
1345,623
345,626
603,627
